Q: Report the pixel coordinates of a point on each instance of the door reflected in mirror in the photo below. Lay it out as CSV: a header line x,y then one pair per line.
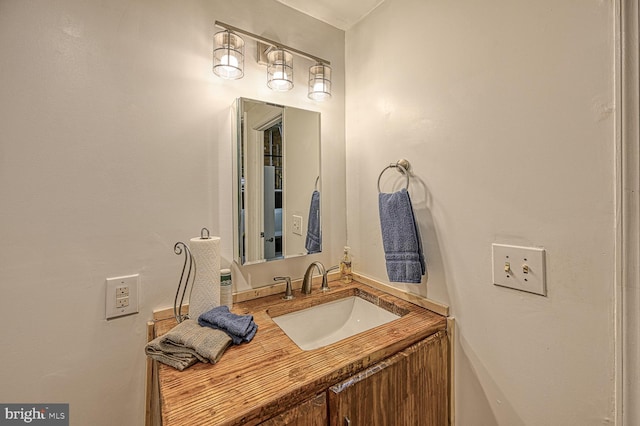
x,y
276,182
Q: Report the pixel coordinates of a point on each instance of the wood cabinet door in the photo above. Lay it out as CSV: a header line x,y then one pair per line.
x,y
409,388
310,413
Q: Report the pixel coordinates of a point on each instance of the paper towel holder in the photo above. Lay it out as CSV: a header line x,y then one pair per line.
x,y
178,249
204,234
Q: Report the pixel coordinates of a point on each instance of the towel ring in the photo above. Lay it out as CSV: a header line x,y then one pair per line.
x,y
315,186
404,167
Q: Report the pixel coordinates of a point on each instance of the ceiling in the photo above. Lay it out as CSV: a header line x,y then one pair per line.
x,y
340,13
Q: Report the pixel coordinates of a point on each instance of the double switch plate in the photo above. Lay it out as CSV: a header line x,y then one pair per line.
x,y
520,268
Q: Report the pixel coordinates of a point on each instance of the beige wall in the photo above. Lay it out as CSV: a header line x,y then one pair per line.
x,y
301,157
114,145
506,112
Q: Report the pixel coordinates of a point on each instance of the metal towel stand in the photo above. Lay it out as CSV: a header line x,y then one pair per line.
x,y
189,266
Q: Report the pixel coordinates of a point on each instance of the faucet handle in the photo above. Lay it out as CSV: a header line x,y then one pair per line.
x,y
325,279
288,293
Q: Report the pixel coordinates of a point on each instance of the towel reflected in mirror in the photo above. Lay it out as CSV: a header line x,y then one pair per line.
x,y
313,242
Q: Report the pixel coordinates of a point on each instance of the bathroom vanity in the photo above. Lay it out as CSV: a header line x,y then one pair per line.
x,y
396,373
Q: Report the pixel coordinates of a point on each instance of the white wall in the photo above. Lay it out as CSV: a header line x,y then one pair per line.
x,y
114,145
506,112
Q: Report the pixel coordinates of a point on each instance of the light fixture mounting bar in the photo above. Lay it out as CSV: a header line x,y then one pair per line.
x,y
271,42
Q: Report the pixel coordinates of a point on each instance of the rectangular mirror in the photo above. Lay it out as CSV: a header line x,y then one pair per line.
x,y
276,181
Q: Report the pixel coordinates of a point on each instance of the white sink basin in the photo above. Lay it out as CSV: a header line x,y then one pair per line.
x,y
331,322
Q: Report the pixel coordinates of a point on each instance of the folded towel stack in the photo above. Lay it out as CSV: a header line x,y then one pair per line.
x,y
188,343
240,328
401,238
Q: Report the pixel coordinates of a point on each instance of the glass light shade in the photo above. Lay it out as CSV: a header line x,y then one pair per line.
x,y
228,55
319,82
279,70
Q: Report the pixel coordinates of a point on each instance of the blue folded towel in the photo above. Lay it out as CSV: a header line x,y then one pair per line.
x,y
401,238
241,328
313,243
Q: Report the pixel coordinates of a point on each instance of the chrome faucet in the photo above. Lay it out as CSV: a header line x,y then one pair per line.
x,y
308,278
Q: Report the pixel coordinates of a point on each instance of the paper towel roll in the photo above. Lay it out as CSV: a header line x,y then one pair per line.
x,y
205,293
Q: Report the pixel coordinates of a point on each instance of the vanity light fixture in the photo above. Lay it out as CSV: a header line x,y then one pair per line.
x,y
319,82
228,55
228,62
279,69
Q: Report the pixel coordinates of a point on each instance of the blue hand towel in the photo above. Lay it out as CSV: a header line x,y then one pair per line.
x,y
401,238
241,328
313,243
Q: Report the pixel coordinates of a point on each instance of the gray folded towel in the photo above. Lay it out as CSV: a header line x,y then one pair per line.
x,y
188,343
166,353
313,242
401,238
241,328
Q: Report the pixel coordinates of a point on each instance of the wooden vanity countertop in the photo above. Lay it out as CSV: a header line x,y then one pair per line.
x,y
255,381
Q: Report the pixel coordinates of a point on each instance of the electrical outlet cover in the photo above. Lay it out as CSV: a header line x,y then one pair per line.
x,y
520,268
297,225
116,289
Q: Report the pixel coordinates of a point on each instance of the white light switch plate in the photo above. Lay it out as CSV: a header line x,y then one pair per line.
x,y
122,296
520,268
